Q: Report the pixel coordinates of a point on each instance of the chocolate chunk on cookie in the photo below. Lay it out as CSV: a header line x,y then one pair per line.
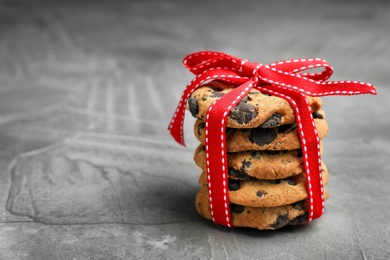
x,y
199,127
280,221
237,208
299,220
246,164
285,129
234,184
261,193
193,106
243,113
216,94
318,115
272,122
290,181
238,174
262,136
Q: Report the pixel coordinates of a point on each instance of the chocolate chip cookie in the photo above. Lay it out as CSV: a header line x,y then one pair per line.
x,y
283,137
267,193
254,110
266,164
257,217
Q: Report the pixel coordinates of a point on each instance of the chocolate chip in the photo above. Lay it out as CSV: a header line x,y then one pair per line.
x,y
285,129
214,86
281,221
318,115
240,174
230,132
201,126
262,136
261,193
233,184
297,205
302,219
194,107
243,113
291,182
236,208
272,122
246,164
244,100
256,155
215,94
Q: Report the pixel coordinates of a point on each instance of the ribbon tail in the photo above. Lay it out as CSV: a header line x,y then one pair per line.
x,y
216,157
175,128
345,88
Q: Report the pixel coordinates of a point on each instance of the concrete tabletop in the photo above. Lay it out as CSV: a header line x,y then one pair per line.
x,y
87,89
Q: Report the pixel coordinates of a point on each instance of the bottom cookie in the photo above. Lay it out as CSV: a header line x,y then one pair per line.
x,y
263,218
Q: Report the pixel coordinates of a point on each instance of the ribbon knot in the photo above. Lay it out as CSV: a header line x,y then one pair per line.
x,y
256,72
286,79
248,68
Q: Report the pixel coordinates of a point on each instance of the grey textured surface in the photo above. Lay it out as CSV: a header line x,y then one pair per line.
x,y
87,89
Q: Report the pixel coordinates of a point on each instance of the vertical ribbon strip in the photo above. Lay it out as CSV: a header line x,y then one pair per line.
x,y
286,79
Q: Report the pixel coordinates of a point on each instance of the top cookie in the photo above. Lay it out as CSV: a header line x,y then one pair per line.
x,y
255,109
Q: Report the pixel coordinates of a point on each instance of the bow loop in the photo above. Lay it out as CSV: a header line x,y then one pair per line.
x,y
200,62
299,66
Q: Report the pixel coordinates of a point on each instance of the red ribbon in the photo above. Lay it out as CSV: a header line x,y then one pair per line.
x,y
285,79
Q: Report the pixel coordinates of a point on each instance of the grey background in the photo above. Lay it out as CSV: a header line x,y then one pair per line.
x,y
87,89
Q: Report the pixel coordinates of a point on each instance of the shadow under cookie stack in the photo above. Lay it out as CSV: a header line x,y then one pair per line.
x,y
267,186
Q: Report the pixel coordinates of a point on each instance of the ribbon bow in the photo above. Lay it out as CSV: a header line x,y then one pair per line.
x,y
285,79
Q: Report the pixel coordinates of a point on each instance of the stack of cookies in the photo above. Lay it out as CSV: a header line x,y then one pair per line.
x,y
267,188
